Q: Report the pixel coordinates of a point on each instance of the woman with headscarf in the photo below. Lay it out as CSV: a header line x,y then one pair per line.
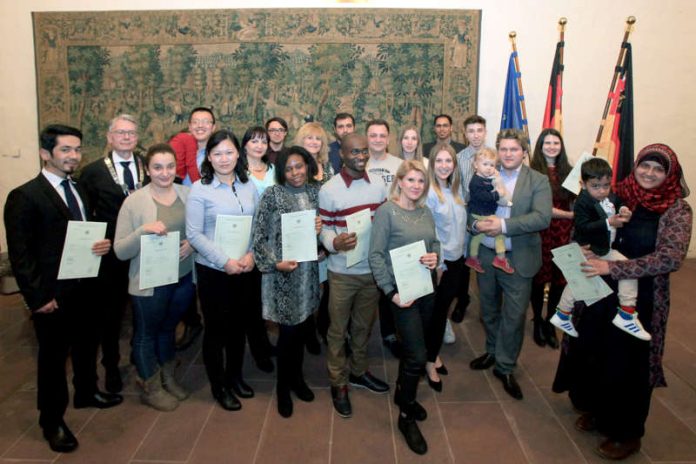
x,y
609,374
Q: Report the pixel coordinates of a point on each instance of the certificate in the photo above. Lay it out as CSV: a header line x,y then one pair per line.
x,y
412,277
568,259
77,260
572,181
159,260
299,236
233,234
359,223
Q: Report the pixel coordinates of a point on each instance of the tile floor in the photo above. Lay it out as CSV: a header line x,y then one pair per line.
x,y
471,421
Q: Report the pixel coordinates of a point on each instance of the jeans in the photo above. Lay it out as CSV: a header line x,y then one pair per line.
x,y
154,323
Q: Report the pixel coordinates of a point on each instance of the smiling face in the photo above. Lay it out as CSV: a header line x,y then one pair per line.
x,y
475,134
201,126
412,185
162,169
276,132
409,142
223,157
65,157
256,147
443,128
650,174
443,165
312,143
551,148
355,154
123,136
511,154
296,171
377,138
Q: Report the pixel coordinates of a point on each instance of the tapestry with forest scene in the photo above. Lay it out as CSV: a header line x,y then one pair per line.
x,y
403,66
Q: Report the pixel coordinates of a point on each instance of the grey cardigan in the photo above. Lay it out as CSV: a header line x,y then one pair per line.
x,y
138,209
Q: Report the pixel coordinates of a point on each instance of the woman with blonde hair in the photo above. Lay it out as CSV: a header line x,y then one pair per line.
x,y
410,147
313,138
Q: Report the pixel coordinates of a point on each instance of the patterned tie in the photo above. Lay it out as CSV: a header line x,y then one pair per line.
x,y
127,175
73,206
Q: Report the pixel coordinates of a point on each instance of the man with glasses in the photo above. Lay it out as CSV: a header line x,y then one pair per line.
x,y
443,133
354,295
190,146
277,129
107,182
344,124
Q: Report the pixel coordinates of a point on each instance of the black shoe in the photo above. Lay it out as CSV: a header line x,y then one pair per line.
x,y
482,362
341,401
416,410
190,335
112,381
394,346
241,388
226,399
539,334
284,402
459,312
442,370
550,332
60,438
414,438
302,391
313,345
98,399
437,386
369,381
265,364
509,384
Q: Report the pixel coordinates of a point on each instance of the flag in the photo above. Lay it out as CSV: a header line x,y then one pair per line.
x,y
553,115
512,104
616,143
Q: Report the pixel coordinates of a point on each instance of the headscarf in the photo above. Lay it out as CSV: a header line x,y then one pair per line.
x,y
660,198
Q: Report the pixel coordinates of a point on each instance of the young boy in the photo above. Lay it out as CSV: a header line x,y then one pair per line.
x,y
486,192
596,220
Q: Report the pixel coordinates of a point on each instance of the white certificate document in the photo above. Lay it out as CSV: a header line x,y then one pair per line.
x,y
77,260
159,260
572,181
299,236
412,278
568,259
233,234
359,223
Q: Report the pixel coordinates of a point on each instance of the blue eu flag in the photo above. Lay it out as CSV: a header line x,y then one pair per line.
x,y
512,104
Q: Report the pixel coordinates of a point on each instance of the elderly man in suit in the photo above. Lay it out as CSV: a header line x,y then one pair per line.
x,y
107,182
504,297
36,219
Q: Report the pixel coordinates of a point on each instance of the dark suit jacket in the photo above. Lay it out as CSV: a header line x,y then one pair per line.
x,y
36,221
590,222
429,146
335,156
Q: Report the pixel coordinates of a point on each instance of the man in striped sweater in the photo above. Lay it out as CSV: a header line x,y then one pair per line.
x,y
354,295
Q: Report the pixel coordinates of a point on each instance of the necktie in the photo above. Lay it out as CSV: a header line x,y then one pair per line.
x,y
73,206
127,175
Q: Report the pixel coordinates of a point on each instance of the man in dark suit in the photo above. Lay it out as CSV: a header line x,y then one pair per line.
x,y
443,132
107,182
504,297
344,124
36,220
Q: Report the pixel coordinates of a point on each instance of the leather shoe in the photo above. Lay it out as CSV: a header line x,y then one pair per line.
x,y
99,399
437,386
414,438
341,401
415,410
442,370
482,362
241,388
618,450
509,384
284,402
112,381
302,391
586,423
60,438
369,381
226,399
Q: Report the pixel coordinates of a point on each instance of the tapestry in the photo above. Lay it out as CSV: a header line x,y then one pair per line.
x,y
248,65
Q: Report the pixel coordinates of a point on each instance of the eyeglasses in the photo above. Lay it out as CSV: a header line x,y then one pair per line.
x,y
121,133
202,122
275,130
359,151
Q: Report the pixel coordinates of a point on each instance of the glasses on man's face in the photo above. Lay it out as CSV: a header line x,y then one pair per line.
x,y
123,133
202,122
359,151
278,130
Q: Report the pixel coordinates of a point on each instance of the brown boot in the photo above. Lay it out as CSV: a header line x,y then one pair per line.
x,y
170,384
155,396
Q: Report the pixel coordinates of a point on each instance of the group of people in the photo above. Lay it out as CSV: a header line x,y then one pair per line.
x,y
471,206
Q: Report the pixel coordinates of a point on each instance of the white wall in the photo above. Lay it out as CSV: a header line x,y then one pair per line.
x,y
663,64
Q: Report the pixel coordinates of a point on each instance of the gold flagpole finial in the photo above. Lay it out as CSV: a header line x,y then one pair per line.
x,y
631,20
512,34
563,21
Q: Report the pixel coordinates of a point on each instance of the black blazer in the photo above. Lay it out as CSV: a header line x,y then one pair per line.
x,y
591,222
429,146
36,221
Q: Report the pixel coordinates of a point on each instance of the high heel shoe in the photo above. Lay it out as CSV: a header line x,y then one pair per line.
x,y
437,386
442,370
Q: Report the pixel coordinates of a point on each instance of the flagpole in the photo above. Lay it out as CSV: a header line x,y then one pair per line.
x,y
512,36
630,21
561,23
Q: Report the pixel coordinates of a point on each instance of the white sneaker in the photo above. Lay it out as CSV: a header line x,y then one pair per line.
x,y
631,326
565,325
449,336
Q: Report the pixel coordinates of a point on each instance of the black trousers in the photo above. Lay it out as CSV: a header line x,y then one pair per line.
x,y
386,318
112,290
68,331
537,300
446,292
290,348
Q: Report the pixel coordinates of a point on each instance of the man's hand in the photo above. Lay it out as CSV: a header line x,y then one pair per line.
x,y
490,226
101,247
345,241
48,307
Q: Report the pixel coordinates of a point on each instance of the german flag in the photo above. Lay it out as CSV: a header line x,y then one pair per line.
x,y
553,114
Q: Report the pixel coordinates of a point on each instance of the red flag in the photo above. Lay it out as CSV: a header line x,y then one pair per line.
x,y
553,115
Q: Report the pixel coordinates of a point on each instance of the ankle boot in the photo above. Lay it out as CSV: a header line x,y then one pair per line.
x,y
539,332
170,384
155,396
412,434
284,401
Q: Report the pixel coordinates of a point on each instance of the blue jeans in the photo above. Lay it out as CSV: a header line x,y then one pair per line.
x,y
154,323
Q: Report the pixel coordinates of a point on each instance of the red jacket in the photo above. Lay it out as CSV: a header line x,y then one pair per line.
x,y
186,148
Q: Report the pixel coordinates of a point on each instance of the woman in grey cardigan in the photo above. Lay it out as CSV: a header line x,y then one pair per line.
x,y
402,220
158,208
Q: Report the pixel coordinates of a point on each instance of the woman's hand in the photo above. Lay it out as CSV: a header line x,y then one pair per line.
x,y
317,225
247,262
587,252
156,227
396,299
429,260
101,247
185,250
595,267
232,266
286,266
618,220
